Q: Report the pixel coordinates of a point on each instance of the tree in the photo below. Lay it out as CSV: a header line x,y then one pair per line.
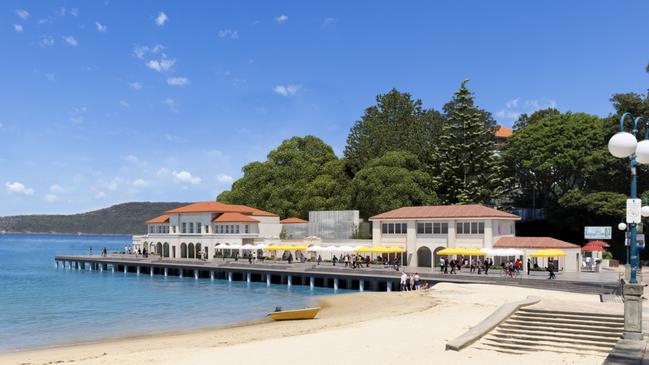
x,y
395,123
468,170
525,120
392,181
302,174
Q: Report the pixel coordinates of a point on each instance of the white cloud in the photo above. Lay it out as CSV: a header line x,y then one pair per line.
x,y
124,104
281,19
56,189
140,183
22,13
164,64
46,41
101,28
74,12
51,198
113,184
18,188
161,19
61,12
228,33
71,41
186,177
18,28
223,178
287,90
515,107
329,22
141,51
178,81
50,77
100,195
135,85
171,103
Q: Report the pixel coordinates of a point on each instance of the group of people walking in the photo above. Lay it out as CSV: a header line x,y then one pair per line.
x,y
412,282
475,266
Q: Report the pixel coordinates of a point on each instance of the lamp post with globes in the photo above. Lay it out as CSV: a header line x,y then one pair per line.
x,y
625,145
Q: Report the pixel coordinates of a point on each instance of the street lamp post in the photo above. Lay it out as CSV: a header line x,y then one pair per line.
x,y
622,145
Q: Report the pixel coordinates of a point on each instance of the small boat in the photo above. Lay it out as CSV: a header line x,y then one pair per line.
x,y
306,313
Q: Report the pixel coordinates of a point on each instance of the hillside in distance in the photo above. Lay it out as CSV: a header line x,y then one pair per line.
x,y
126,218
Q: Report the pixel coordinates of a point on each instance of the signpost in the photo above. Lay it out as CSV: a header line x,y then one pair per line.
x,y
597,233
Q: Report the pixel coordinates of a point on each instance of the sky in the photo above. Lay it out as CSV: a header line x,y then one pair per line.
x,y
113,101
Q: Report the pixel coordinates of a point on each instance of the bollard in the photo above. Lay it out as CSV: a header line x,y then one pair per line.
x,y
311,283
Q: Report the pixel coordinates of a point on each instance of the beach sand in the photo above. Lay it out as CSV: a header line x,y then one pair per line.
x,y
379,328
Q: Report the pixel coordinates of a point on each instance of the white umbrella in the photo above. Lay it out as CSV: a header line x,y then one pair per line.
x,y
236,247
502,252
316,249
248,246
222,246
342,249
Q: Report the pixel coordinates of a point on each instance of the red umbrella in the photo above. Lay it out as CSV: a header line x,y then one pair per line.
x,y
597,243
588,248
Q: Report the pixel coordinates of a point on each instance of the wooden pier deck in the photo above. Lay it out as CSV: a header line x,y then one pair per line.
x,y
375,278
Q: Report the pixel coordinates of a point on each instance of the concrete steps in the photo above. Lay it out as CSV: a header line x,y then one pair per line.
x,y
533,329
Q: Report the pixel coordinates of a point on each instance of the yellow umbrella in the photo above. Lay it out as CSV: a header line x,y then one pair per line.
x,y
286,247
451,251
362,249
395,250
473,252
548,253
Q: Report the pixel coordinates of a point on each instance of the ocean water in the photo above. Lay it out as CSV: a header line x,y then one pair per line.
x,y
42,306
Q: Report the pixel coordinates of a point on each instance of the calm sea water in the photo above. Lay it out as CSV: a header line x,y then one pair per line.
x,y
43,306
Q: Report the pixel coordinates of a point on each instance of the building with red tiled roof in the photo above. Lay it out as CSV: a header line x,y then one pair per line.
x,y
293,221
194,230
533,242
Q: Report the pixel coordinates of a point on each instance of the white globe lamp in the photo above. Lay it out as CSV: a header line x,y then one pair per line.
x,y
644,211
622,144
621,226
642,152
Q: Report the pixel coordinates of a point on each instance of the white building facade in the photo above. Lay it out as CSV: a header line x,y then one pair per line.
x,y
193,231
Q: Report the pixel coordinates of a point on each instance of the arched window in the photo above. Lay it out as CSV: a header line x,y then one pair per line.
x,y
183,250
424,257
165,250
190,248
158,249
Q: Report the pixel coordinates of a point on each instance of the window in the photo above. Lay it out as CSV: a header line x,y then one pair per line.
x,y
184,227
397,228
237,228
150,229
247,228
384,228
227,228
474,227
429,228
444,228
232,228
420,228
198,227
174,228
390,228
458,228
207,229
481,228
470,228
437,228
191,227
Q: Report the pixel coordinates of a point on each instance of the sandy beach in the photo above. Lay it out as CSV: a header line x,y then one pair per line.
x,y
384,328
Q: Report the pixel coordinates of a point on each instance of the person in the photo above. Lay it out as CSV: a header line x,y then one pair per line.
x,y
367,261
529,266
417,282
453,263
290,258
424,286
145,253
139,251
346,260
551,271
397,263
411,282
254,256
319,259
249,258
404,279
334,260
518,265
441,264
446,263
236,255
487,265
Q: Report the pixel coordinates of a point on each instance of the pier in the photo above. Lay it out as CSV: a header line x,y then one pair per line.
x,y
375,278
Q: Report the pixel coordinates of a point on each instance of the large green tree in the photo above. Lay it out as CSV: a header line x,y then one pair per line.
x,y
302,174
396,123
392,181
469,170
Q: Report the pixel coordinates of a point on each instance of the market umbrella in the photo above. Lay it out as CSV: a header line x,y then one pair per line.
x,y
473,252
502,252
395,250
548,253
451,251
315,249
598,244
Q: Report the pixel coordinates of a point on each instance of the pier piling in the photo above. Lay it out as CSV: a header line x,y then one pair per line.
x,y
229,276
195,274
267,279
335,283
137,270
166,271
211,275
248,278
289,281
311,283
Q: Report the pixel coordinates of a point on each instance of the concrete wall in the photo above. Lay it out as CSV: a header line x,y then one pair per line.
x,y
333,224
296,230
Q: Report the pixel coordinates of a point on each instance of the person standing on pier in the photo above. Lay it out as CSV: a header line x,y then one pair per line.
x,y
319,260
334,260
404,280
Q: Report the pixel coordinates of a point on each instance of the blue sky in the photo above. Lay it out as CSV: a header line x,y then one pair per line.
x,y
113,101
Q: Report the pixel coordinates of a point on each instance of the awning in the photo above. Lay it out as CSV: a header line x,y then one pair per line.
x,y
548,253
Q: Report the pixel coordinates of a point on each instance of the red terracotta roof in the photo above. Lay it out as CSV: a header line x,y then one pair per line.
x,y
504,132
158,220
532,242
445,211
218,207
233,217
293,220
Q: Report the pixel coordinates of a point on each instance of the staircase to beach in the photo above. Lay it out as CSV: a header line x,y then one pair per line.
x,y
532,329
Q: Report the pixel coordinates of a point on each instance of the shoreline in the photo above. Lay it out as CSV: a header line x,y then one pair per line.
x,y
353,324
76,234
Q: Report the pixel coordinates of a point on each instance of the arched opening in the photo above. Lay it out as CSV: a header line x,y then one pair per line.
x,y
190,248
207,252
424,257
158,249
151,248
437,257
198,250
183,250
165,250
